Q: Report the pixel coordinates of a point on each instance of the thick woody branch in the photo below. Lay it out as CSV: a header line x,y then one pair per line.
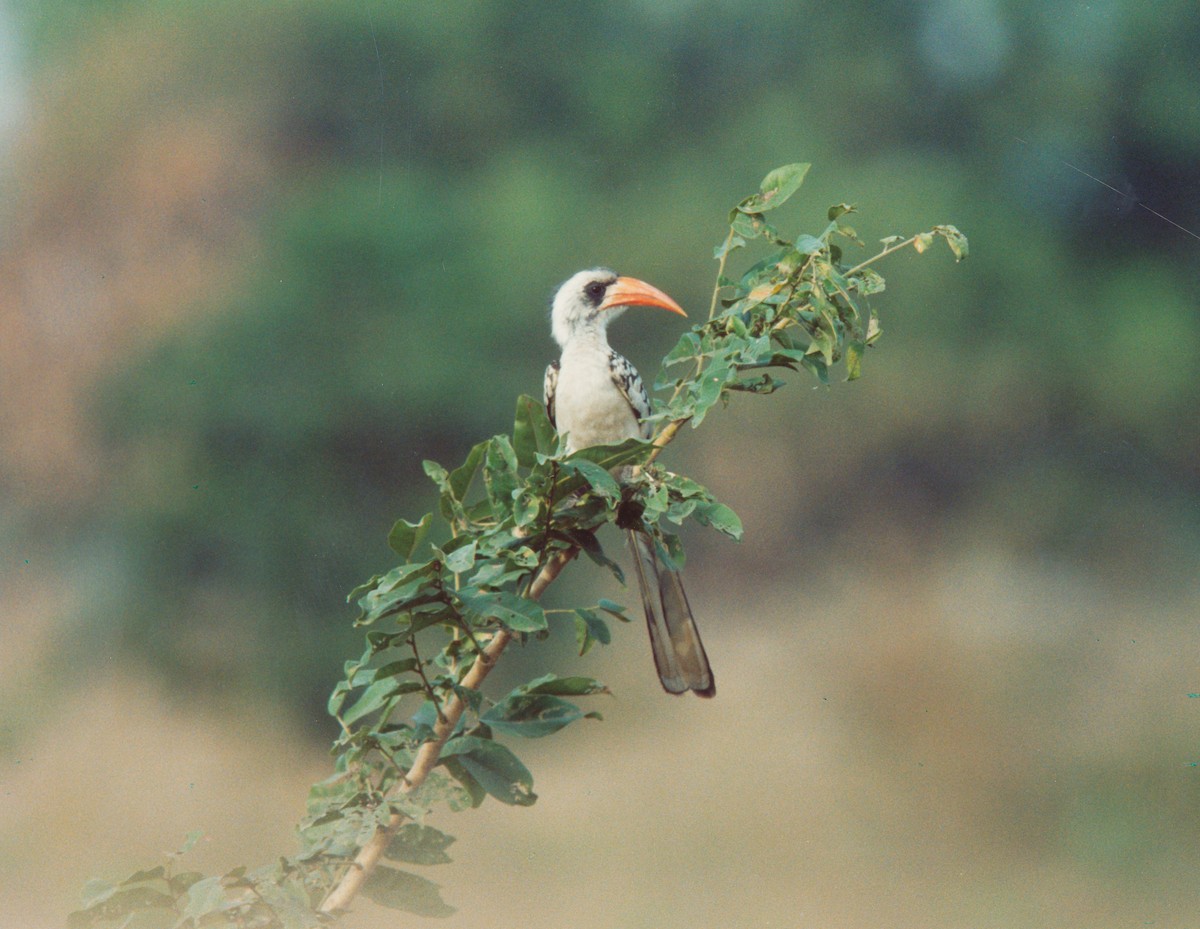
x,y
429,754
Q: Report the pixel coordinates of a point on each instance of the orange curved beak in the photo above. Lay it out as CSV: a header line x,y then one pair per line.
x,y
629,291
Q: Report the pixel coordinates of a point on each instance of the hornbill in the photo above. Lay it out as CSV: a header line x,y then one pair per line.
x,y
594,396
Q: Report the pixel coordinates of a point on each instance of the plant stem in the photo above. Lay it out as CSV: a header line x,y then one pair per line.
x,y
712,307
429,754
887,251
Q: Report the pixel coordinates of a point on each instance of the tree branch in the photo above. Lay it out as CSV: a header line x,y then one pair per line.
x,y
429,754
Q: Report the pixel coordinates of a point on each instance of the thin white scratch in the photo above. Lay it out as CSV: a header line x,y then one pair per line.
x,y
1120,193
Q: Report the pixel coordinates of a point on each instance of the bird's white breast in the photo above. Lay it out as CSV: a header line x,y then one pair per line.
x,y
587,404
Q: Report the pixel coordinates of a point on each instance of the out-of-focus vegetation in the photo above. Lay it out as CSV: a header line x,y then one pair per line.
x,y
257,262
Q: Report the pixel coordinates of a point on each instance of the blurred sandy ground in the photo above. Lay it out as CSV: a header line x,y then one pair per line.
x,y
938,743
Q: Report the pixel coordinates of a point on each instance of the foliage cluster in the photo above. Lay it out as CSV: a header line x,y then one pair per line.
x,y
416,730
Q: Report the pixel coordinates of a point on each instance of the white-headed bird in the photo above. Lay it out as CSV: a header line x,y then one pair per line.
x,y
594,396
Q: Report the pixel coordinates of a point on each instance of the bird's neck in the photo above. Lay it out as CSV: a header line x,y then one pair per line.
x,y
587,338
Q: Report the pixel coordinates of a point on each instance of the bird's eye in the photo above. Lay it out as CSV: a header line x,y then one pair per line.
x,y
595,291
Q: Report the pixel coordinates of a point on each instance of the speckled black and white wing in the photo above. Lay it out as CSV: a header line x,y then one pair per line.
x,y
629,383
549,387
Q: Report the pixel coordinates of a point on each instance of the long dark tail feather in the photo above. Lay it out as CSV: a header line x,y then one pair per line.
x,y
674,639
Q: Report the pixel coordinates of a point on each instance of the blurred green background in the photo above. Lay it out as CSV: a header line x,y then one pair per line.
x,y
257,261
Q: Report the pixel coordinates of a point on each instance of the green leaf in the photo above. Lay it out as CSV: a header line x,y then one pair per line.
x,y
500,474
405,536
714,378
462,559
867,282
817,367
412,588
526,507
377,696
288,900
411,893
437,474
629,452
494,767
854,353
395,668
775,188
459,480
614,609
531,715
809,245
417,844
597,477
670,551
532,432
955,239
466,780
95,891
516,613
840,209
590,546
750,224
590,628
204,897
721,518
687,347
732,243
564,686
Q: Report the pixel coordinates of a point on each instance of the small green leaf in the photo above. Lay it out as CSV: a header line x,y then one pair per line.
x,y
417,844
868,281
721,518
474,791
494,767
955,239
96,891
526,507
775,188
629,452
405,536
854,353
395,668
459,480
437,473
686,348
873,329
732,243
840,209
516,613
377,696
531,715
203,898
462,559
614,609
809,245
564,686
411,893
532,432
590,628
590,546
500,474
670,551
597,477
714,378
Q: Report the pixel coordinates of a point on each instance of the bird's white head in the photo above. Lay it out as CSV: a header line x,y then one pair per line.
x,y
588,301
